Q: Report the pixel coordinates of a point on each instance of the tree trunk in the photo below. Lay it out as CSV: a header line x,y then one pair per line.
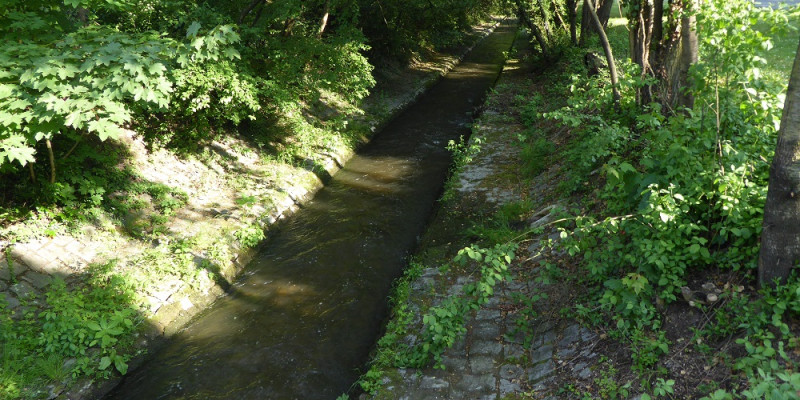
x,y
247,10
558,18
603,12
324,22
658,21
545,18
684,98
52,160
612,68
780,239
522,14
572,15
674,56
641,36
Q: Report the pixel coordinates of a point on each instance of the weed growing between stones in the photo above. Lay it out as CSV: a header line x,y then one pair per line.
x,y
463,152
443,323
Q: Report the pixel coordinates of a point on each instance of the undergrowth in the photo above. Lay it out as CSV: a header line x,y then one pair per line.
x,y
83,330
681,194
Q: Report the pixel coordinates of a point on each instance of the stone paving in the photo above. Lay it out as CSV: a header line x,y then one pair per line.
x,y
35,263
493,360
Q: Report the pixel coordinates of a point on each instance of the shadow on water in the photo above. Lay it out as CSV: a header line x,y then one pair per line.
x,y
301,320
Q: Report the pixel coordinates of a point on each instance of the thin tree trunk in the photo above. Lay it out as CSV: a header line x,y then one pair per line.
x,y
545,18
383,14
612,68
324,22
558,18
658,21
33,173
780,238
287,27
603,13
685,98
640,36
260,11
537,32
247,10
52,160
572,15
674,58
71,149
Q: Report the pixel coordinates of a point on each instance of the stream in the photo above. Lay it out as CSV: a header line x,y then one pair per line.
x,y
300,321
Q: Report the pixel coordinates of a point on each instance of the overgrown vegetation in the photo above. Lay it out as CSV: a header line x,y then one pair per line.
x,y
85,331
666,213
679,203
81,80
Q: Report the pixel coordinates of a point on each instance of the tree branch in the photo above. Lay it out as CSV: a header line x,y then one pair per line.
x,y
612,68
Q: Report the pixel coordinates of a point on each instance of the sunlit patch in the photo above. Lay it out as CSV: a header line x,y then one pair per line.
x,y
377,174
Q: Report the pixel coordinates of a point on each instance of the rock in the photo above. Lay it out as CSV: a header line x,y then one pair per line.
x,y
481,365
23,290
593,63
4,272
38,280
11,301
541,371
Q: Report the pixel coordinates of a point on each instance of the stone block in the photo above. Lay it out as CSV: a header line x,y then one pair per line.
x,y
513,351
475,384
486,330
541,353
481,365
51,267
508,387
5,275
570,335
582,370
511,372
541,371
454,364
11,301
36,279
23,290
432,383
566,352
486,347
485,314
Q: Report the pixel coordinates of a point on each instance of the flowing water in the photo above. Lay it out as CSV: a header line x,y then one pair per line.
x,y
300,321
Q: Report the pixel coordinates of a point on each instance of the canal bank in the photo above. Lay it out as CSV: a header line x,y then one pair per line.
x,y
301,320
205,244
516,345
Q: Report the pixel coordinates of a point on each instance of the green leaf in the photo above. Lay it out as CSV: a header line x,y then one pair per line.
x,y
120,365
193,29
197,43
231,53
105,362
157,69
